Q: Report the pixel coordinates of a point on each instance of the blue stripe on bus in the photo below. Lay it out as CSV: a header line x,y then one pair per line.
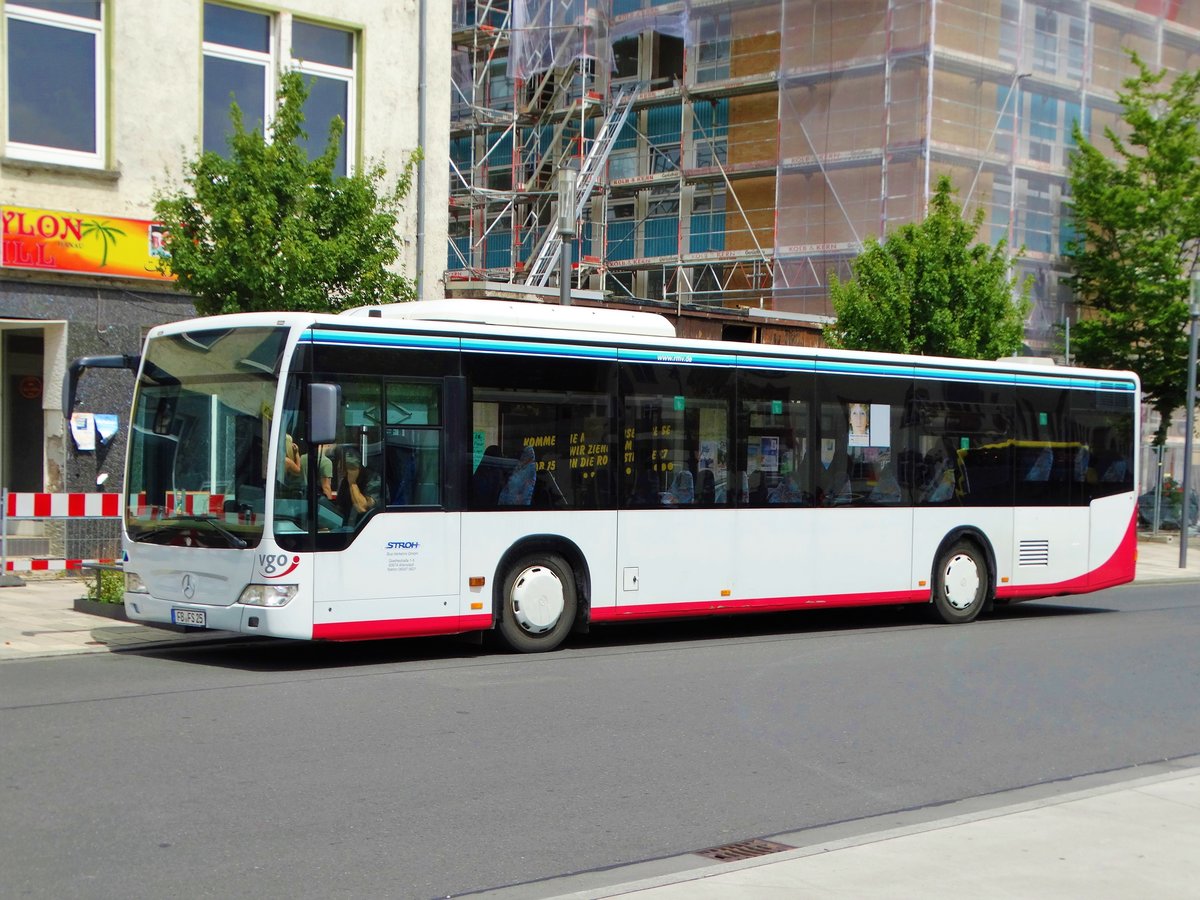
x,y
377,339
686,357
530,348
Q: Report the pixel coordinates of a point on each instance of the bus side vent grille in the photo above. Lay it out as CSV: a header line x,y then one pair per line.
x,y
1035,553
743,850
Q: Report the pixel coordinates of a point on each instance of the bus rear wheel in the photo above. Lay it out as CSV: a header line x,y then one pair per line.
x,y
960,584
539,603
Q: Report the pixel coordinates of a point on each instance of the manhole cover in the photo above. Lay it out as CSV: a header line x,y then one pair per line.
x,y
743,850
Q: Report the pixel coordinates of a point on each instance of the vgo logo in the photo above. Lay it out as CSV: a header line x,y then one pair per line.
x,y
276,565
402,545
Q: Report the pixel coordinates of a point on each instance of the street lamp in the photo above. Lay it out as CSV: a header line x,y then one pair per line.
x,y
1186,518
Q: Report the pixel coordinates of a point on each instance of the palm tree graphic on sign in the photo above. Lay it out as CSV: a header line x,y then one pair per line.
x,y
105,232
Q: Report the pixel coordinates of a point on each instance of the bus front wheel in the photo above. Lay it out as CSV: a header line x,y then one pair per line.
x,y
960,584
539,600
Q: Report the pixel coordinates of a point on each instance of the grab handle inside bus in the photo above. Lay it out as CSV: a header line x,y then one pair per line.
x,y
324,413
123,361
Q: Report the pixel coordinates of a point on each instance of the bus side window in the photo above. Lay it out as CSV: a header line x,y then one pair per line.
x,y
412,443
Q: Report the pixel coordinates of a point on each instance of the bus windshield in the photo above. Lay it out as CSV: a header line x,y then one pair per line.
x,y
199,438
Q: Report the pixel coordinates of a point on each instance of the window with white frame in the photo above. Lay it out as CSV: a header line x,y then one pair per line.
x,y
55,81
241,53
238,54
326,57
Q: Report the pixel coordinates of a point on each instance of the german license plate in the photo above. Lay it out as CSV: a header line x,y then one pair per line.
x,y
194,617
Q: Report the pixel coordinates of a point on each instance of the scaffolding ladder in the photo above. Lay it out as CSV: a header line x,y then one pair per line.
x,y
549,248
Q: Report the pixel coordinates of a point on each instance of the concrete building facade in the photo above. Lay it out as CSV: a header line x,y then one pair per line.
x,y
102,103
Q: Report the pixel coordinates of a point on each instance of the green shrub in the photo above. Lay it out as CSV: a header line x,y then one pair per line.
x,y
108,587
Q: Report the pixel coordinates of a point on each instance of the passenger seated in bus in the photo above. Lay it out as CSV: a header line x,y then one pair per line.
x,y
706,491
358,492
519,489
292,472
324,471
683,490
488,479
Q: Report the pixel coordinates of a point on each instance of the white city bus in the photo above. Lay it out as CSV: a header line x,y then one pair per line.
x,y
460,466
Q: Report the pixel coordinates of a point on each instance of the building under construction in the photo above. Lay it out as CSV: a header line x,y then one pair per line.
x,y
732,156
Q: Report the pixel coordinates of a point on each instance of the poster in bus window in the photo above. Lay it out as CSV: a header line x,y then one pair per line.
x,y
769,450
753,451
881,425
860,425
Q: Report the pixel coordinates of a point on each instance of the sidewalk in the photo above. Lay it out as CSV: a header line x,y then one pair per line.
x,y
38,618
1134,838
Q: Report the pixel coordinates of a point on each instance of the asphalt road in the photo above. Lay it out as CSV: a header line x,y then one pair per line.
x,y
432,768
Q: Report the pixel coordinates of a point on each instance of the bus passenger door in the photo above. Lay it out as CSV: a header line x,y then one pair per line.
x,y
390,566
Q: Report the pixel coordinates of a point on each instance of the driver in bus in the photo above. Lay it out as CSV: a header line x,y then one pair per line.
x,y
358,491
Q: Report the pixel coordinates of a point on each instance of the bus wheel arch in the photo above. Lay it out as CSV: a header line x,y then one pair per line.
x,y
963,577
548,575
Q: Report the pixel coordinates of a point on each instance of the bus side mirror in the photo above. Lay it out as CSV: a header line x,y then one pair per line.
x,y
324,406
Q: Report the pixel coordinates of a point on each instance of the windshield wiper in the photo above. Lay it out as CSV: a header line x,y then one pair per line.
x,y
219,527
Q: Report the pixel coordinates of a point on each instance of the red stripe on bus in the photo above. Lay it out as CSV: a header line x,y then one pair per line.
x,y
1120,568
758,604
396,628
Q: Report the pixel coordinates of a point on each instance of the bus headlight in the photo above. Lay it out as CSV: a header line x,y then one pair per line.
x,y
134,584
268,594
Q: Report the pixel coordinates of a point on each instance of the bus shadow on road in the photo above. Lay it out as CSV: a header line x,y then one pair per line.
x,y
258,655
802,624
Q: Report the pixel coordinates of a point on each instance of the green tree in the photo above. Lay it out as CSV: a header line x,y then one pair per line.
x,y
269,229
927,289
1137,234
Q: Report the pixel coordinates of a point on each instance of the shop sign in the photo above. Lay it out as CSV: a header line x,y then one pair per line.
x,y
55,241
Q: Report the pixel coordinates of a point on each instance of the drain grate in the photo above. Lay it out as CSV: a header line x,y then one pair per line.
x,y
743,850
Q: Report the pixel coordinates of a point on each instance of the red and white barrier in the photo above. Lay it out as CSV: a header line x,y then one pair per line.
x,y
63,506
56,506
32,564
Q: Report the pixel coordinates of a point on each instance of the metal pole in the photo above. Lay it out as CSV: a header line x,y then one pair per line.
x,y
1158,452
4,531
564,275
422,96
6,580
568,178
1185,519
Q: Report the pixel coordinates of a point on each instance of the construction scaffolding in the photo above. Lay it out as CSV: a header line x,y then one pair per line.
x,y
737,154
